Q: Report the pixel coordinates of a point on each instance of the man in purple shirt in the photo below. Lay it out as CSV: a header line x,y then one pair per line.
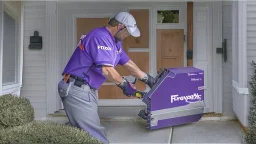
x,y
92,63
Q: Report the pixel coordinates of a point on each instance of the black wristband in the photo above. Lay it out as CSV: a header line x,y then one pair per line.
x,y
122,83
144,78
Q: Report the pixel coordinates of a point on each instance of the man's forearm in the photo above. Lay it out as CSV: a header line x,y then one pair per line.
x,y
134,70
111,74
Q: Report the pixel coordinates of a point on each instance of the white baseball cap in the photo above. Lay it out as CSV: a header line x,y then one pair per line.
x,y
129,21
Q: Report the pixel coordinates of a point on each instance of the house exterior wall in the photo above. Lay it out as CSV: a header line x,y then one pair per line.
x,y
251,35
35,68
227,66
241,43
251,42
34,72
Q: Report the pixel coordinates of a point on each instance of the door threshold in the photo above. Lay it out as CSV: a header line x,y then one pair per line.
x,y
113,112
120,102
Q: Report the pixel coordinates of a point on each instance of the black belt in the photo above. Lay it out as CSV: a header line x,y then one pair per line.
x,y
79,81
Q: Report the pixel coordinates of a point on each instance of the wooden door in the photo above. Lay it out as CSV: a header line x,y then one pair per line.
x,y
110,90
170,48
84,25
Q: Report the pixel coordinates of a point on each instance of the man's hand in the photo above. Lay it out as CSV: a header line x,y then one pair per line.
x,y
149,80
136,72
128,88
134,69
113,76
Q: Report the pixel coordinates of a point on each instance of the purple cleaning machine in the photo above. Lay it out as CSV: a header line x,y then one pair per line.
x,y
176,98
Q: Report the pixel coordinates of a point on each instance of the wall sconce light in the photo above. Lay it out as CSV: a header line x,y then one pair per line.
x,y
36,41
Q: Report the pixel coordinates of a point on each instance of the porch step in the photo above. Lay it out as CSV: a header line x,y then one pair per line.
x,y
114,112
127,112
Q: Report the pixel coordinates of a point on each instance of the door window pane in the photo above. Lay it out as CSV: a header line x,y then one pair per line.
x,y
168,16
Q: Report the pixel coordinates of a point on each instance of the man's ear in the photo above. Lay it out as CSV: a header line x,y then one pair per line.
x,y
120,26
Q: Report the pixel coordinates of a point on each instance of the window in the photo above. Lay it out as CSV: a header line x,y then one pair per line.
x,y
10,55
168,16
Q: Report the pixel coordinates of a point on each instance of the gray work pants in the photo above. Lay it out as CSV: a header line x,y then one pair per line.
x,y
80,104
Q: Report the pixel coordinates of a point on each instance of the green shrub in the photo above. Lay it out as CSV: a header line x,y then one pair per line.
x,y
15,111
45,132
250,136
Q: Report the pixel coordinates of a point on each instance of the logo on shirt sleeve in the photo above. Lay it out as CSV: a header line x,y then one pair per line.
x,y
80,45
104,48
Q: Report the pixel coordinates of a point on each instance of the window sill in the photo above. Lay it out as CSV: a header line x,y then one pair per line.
x,y
11,88
238,89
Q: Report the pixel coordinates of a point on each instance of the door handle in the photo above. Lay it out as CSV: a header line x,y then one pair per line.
x,y
223,50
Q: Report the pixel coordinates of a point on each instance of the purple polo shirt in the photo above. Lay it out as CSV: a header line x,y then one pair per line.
x,y
95,49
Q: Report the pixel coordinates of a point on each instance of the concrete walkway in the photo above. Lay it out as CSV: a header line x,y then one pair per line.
x,y
135,132
208,132
128,131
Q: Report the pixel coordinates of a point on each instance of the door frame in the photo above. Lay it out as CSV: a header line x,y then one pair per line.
x,y
240,87
53,103
217,58
106,102
182,25
152,45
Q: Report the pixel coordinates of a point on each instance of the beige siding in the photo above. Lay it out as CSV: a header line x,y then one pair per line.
x,y
227,66
34,73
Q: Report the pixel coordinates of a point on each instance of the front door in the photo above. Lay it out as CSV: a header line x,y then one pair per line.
x,y
170,48
84,25
109,90
176,32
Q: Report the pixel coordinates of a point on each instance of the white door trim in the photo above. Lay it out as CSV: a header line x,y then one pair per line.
x,y
182,7
217,58
53,103
240,90
242,43
51,57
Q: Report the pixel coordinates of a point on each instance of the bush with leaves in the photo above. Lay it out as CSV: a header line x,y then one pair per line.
x,y
46,132
250,136
15,111
17,126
